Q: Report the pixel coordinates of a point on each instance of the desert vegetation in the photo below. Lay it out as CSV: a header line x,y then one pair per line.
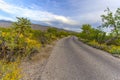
x,y
19,41
98,38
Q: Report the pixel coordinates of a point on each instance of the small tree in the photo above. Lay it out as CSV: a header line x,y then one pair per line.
x,y
111,20
21,27
86,28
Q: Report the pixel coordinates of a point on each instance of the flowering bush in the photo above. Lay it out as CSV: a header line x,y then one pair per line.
x,y
32,43
21,41
94,44
9,71
115,49
111,49
99,46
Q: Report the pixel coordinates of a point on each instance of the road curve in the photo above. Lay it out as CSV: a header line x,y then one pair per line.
x,y
73,60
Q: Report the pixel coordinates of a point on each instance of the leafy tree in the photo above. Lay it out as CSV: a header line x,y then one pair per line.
x,y
111,20
100,36
86,28
88,33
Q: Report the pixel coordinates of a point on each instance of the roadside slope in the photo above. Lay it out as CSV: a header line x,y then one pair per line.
x,y
32,69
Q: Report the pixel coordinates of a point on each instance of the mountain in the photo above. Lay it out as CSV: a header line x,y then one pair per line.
x,y
4,23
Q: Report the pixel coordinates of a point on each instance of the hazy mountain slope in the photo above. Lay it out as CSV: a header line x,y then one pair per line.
x,y
4,23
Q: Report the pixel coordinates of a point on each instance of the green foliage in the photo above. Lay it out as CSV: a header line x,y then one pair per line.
x,y
99,46
112,21
20,41
115,49
46,37
10,71
52,30
17,41
86,30
100,39
88,33
97,38
111,48
21,27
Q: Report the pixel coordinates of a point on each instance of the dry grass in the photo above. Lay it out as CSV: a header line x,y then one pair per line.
x,y
43,54
32,69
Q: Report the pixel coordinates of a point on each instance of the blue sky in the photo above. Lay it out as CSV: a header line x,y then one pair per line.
x,y
67,14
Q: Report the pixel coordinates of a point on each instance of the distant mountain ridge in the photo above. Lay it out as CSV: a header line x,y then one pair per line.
x,y
5,23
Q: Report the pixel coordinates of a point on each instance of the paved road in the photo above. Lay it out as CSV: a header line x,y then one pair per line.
x,y
73,60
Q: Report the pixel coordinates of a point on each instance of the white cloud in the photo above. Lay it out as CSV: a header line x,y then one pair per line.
x,y
73,29
37,15
89,11
66,28
90,18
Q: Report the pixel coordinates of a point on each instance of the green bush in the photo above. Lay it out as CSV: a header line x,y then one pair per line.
x,y
115,49
10,71
20,41
99,46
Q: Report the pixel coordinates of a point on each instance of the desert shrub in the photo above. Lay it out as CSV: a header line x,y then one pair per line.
x,y
10,71
84,40
104,47
94,44
115,49
99,46
20,41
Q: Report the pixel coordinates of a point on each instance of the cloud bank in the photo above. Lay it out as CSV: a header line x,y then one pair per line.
x,y
36,15
67,14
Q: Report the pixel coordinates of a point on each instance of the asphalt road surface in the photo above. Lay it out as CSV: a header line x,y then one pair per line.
x,y
73,60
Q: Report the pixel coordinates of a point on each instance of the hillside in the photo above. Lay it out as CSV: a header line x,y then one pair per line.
x,y
4,23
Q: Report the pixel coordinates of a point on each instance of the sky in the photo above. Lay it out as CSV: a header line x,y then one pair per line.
x,y
66,14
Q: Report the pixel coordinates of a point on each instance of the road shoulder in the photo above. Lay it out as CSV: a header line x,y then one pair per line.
x,y
32,69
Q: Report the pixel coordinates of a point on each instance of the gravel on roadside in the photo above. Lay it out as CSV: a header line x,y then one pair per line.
x,y
32,69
